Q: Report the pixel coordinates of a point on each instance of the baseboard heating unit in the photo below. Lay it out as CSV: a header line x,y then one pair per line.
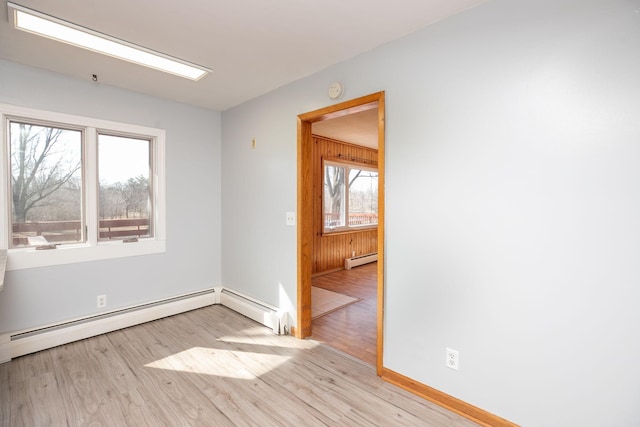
x,y
29,341
19,343
253,309
349,263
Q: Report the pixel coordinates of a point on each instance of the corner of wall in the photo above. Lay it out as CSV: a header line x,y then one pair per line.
x,y
5,354
217,292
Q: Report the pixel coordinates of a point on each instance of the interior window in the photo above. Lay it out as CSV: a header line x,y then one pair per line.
x,y
350,196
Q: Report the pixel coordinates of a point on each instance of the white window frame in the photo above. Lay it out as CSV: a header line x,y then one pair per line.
x,y
347,165
93,249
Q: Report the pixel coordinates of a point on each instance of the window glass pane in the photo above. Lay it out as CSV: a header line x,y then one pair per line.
x,y
363,197
124,203
334,195
46,185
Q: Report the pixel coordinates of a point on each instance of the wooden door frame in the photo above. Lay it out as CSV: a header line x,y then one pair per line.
x,y
305,210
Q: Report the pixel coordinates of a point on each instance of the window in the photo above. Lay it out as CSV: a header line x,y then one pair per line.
x,y
46,184
81,186
350,196
125,204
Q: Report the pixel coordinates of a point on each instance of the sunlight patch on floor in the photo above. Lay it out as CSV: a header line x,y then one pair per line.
x,y
283,342
255,336
222,363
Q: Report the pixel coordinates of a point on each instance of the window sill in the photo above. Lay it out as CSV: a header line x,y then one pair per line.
x,y
20,259
350,230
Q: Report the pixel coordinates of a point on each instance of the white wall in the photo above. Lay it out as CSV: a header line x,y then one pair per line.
x,y
192,261
513,204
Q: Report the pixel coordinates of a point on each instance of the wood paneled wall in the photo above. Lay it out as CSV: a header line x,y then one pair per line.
x,y
329,251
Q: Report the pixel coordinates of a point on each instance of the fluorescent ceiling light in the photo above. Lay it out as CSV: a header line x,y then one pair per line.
x,y
47,26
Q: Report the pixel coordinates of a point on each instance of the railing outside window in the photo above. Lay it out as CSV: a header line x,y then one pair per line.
x,y
71,231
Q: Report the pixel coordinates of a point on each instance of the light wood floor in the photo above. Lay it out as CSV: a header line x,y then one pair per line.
x,y
207,367
351,329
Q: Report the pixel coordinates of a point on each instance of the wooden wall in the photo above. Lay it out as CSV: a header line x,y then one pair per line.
x,y
329,251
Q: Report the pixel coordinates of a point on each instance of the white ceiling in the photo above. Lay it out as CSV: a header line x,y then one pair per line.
x,y
357,128
253,46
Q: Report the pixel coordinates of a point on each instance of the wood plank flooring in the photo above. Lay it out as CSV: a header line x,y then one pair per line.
x,y
207,367
351,329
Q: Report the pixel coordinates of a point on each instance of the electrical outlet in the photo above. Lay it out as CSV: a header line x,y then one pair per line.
x,y
291,218
453,359
102,301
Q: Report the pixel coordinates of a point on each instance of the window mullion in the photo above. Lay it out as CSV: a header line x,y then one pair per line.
x,y
90,187
5,213
347,189
159,187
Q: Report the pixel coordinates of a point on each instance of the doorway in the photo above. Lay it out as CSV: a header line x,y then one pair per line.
x,y
306,210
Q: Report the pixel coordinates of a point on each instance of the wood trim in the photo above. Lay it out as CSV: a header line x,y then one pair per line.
x,y
342,231
362,163
356,105
381,212
446,401
305,209
345,143
305,228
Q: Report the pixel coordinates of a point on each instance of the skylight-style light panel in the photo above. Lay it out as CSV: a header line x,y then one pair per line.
x,y
46,26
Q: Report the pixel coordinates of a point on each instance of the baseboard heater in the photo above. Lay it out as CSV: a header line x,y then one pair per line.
x,y
256,310
19,343
355,261
29,341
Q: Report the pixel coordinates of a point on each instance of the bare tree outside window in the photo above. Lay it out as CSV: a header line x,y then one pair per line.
x,y
334,196
351,203
124,190
82,185
45,181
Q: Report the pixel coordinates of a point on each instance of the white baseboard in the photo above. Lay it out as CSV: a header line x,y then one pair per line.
x,y
29,341
5,353
355,261
258,311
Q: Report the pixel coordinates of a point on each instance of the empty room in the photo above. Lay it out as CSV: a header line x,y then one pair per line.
x,y
176,182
